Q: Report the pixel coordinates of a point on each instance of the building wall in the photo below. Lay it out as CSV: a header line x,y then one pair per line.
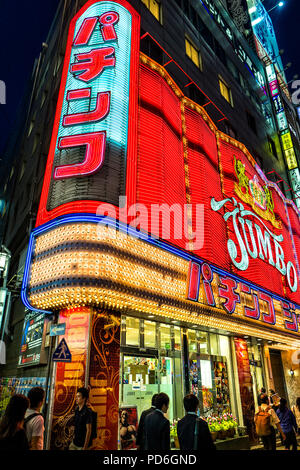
x,y
292,382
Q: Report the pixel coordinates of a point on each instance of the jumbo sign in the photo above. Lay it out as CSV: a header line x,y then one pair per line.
x,y
124,128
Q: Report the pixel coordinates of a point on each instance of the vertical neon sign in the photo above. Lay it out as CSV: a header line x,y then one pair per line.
x,y
95,122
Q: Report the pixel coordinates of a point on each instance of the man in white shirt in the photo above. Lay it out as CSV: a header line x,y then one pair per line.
x,y
34,421
269,441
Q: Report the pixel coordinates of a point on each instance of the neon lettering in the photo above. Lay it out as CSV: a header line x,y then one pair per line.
x,y
94,155
99,113
91,64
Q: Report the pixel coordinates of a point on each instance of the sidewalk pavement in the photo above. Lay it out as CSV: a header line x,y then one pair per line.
x,y
279,445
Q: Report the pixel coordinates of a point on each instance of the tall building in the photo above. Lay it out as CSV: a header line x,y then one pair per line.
x,y
190,281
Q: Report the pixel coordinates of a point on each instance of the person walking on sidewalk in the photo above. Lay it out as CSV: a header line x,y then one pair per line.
x,y
34,421
261,394
193,432
266,421
83,422
288,424
296,411
157,427
140,437
12,434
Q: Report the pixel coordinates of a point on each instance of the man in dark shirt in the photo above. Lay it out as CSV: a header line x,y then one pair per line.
x,y
193,432
140,437
157,427
262,394
83,422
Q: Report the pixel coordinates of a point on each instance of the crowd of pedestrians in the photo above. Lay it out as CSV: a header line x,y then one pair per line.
x,y
22,426
273,413
153,433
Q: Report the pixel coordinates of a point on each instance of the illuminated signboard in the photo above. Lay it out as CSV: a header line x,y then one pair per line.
x,y
282,121
250,230
32,350
295,180
93,139
291,158
274,89
286,140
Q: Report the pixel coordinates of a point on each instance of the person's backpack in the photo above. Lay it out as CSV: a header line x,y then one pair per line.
x,y
262,421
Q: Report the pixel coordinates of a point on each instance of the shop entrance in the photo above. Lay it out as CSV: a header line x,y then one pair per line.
x,y
278,373
142,377
140,381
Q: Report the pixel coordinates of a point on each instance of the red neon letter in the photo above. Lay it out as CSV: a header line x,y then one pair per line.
x,y
94,155
85,31
194,279
100,112
107,21
232,298
270,317
251,312
289,325
207,279
92,64
79,94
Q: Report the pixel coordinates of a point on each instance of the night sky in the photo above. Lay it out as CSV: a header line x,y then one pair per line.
x,y
24,25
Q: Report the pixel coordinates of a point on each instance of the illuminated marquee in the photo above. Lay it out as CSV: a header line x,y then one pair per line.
x,y
95,122
83,261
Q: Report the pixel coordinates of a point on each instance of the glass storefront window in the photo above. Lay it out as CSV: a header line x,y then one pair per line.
x,y
229,402
202,338
256,367
214,344
149,334
166,381
177,338
132,331
192,338
165,336
140,381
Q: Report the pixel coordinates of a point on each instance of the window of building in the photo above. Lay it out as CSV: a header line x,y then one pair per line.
x,y
225,91
132,331
165,336
272,147
230,130
154,7
251,122
193,53
149,334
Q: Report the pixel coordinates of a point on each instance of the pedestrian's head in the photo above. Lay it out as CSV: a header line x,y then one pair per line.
x,y
162,402
82,396
298,403
272,392
36,397
190,403
263,390
13,416
264,399
153,401
282,404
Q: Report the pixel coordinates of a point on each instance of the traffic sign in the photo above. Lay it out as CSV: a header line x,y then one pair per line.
x,y
62,352
57,329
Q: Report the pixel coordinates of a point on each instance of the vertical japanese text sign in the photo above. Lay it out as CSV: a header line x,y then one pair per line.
x,y
95,121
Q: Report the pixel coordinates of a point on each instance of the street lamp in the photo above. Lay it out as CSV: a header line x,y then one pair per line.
x,y
279,4
259,19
